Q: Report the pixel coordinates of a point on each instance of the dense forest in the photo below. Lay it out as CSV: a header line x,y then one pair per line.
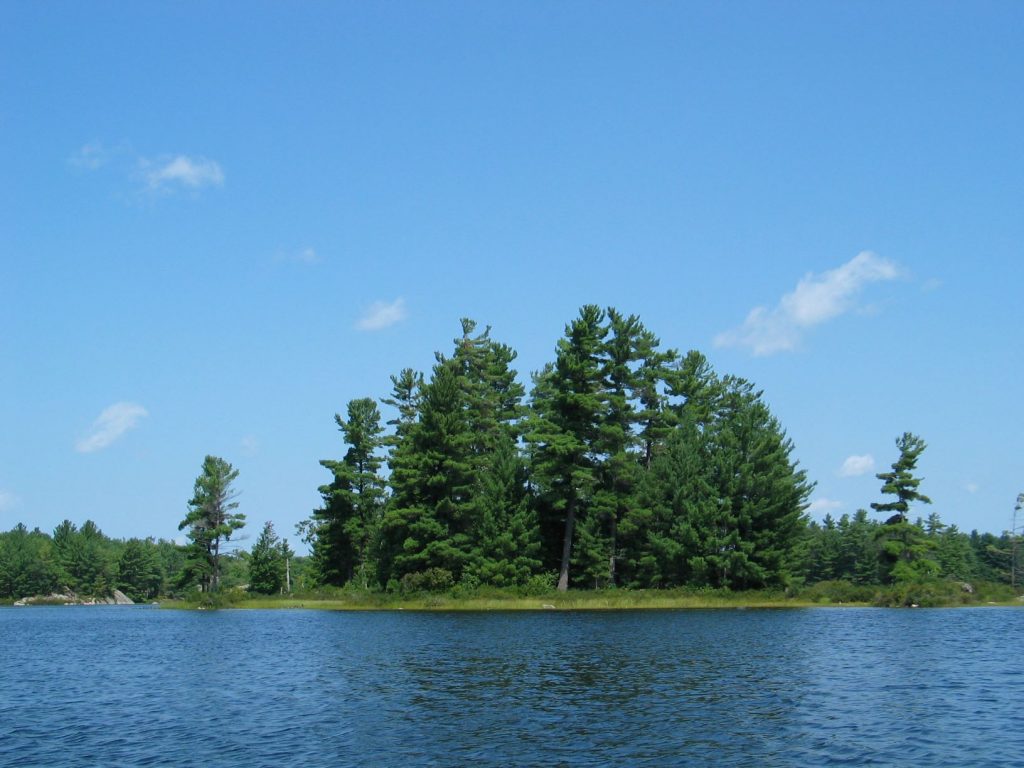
x,y
625,466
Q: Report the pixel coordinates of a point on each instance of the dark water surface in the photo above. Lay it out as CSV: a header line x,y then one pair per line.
x,y
116,686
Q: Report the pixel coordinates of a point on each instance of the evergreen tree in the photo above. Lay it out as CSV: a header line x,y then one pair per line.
x,y
905,549
508,537
564,435
859,550
825,551
900,481
665,533
139,574
267,562
429,519
954,555
211,522
86,565
346,528
759,530
27,563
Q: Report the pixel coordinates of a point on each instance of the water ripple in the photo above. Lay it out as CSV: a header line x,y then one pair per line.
x,y
115,686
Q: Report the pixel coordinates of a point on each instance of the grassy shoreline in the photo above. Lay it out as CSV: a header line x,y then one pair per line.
x,y
819,596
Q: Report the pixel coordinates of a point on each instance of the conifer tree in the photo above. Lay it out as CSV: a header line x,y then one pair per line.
x,y
564,434
905,550
428,522
139,574
267,562
900,481
345,528
211,521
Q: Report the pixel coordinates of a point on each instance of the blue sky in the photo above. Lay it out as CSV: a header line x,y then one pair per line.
x,y
218,225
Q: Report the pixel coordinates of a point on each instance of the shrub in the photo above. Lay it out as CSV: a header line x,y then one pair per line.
x,y
430,580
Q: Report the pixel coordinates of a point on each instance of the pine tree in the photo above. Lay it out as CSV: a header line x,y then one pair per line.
x,y
764,493
211,521
900,481
665,533
564,436
139,574
266,562
507,551
429,519
346,527
906,552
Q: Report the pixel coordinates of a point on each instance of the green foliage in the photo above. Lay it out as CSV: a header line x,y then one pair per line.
x,y
139,574
27,563
838,592
211,522
267,562
345,531
900,480
429,580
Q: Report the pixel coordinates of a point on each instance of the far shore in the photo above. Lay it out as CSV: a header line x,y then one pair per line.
x,y
608,600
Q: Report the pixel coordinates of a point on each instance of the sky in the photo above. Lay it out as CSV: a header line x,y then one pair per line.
x,y
220,224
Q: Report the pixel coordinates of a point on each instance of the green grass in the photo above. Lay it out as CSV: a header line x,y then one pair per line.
x,y
496,600
931,594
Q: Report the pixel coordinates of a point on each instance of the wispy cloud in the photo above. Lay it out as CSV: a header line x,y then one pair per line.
x,y
110,425
306,255
855,466
971,487
91,156
249,445
382,314
7,500
182,171
815,300
823,506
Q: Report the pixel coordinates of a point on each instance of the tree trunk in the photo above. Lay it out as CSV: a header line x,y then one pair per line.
x,y
611,556
570,522
215,576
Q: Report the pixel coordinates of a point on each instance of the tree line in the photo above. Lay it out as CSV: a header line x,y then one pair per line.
x,y
626,465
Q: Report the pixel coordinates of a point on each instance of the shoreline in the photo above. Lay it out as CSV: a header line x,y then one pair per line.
x,y
582,601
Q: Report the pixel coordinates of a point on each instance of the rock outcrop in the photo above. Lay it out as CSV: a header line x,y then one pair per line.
x,y
67,597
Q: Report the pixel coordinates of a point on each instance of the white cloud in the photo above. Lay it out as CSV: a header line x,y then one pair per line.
x,y
184,171
381,314
854,466
815,300
971,487
110,425
249,445
931,284
823,505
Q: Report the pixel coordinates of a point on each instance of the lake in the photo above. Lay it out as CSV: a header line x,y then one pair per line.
x,y
133,686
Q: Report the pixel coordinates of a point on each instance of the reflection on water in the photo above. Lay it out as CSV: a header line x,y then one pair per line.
x,y
136,686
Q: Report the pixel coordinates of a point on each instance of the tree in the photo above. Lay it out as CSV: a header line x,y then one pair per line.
x,y
267,562
211,521
900,480
905,548
27,563
345,529
138,570
564,433
763,493
428,521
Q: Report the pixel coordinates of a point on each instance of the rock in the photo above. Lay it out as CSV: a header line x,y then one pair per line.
x,y
120,598
966,587
548,606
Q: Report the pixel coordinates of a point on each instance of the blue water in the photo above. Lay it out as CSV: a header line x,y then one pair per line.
x,y
116,686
